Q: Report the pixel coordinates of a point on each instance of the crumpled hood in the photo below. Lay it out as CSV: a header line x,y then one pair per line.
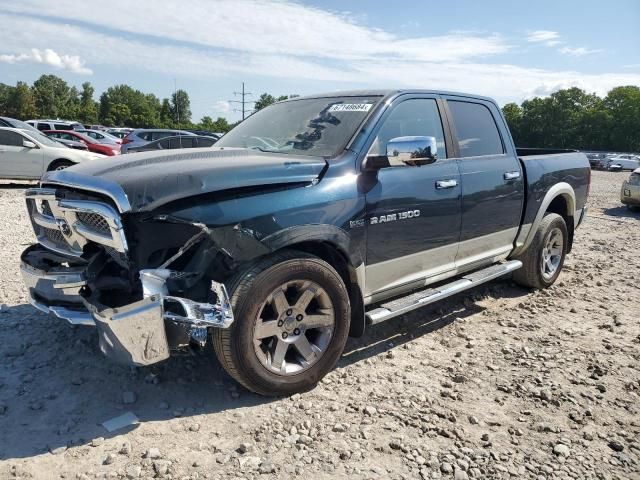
x,y
151,179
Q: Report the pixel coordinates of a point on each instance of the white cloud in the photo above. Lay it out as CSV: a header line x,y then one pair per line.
x,y
548,37
72,63
262,26
339,58
578,51
222,106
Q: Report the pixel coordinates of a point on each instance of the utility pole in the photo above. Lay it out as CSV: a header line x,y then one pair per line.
x,y
243,102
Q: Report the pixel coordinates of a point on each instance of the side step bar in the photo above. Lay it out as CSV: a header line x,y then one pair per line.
x,y
421,298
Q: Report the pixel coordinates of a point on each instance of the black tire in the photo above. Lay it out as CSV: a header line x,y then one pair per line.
x,y
60,165
235,347
532,273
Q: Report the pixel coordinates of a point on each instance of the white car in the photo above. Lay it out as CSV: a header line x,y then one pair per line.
x,y
623,162
27,154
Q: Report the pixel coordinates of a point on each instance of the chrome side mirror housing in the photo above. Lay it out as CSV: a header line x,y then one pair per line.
x,y
402,151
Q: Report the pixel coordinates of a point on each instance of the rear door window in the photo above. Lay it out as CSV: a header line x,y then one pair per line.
x,y
206,142
44,126
62,126
159,135
476,129
145,136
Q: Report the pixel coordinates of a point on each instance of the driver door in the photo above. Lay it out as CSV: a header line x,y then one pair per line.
x,y
413,212
16,160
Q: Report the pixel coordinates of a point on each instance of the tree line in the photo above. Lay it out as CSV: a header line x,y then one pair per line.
x,y
573,118
569,118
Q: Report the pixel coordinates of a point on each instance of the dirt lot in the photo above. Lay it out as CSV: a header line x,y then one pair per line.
x,y
500,383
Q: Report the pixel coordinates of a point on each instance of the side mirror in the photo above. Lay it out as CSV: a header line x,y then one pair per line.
x,y
403,151
28,144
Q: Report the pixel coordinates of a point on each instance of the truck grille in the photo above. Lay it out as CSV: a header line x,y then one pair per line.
x,y
94,221
67,226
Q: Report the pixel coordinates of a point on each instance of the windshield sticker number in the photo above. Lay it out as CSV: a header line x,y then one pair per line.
x,y
350,107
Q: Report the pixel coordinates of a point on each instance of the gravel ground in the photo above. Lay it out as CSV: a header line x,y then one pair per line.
x,y
501,382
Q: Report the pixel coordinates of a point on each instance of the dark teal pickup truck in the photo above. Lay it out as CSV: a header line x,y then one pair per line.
x,y
310,220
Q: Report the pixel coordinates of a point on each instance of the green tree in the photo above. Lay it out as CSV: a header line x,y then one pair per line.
x,y
180,108
54,98
165,113
220,125
267,99
88,110
20,103
623,107
123,105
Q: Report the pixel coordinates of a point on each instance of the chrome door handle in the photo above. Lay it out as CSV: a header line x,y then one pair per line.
x,y
511,175
440,184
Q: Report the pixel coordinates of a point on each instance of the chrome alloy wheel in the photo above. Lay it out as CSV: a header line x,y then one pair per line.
x,y
294,327
552,253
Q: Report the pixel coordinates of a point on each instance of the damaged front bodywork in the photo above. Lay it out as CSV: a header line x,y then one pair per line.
x,y
144,253
82,271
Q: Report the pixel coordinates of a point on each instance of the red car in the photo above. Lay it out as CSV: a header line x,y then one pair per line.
x,y
92,144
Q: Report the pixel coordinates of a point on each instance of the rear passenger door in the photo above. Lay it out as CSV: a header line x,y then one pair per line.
x,y
492,182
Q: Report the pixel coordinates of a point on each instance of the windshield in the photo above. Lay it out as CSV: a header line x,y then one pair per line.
x,y
315,127
43,139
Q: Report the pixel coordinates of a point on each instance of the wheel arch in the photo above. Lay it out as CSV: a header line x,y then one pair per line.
x,y
560,199
332,245
53,163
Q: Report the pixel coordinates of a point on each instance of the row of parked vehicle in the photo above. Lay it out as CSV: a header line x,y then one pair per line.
x,y
28,149
614,162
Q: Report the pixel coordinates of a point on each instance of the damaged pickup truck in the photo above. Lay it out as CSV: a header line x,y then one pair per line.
x,y
308,221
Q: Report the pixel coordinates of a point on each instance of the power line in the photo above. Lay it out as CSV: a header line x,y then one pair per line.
x,y
243,102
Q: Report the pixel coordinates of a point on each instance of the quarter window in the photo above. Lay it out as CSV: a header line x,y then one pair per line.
x,y
415,117
476,129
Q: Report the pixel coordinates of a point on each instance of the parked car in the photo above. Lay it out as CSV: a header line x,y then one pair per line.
x,y
102,137
71,143
623,162
205,133
365,207
630,191
28,154
92,144
142,136
179,141
119,132
55,125
597,160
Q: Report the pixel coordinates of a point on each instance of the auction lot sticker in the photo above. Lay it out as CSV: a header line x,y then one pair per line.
x,y
350,107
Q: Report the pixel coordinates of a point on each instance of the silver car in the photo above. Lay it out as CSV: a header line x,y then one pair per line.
x,y
101,137
142,136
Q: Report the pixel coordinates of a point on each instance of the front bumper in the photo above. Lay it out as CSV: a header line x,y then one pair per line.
x,y
140,333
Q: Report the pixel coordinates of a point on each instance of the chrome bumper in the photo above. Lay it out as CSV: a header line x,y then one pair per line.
x,y
134,334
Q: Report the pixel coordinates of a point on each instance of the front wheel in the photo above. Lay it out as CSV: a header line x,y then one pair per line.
x,y
291,324
543,259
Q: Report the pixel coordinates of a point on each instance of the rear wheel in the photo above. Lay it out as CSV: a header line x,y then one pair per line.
x,y
542,261
291,324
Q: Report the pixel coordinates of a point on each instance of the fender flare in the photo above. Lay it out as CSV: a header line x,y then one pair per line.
x,y
525,237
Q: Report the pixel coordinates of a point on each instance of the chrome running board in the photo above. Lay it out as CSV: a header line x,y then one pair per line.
x,y
402,305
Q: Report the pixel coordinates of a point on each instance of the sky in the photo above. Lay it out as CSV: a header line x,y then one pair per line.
x,y
509,50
